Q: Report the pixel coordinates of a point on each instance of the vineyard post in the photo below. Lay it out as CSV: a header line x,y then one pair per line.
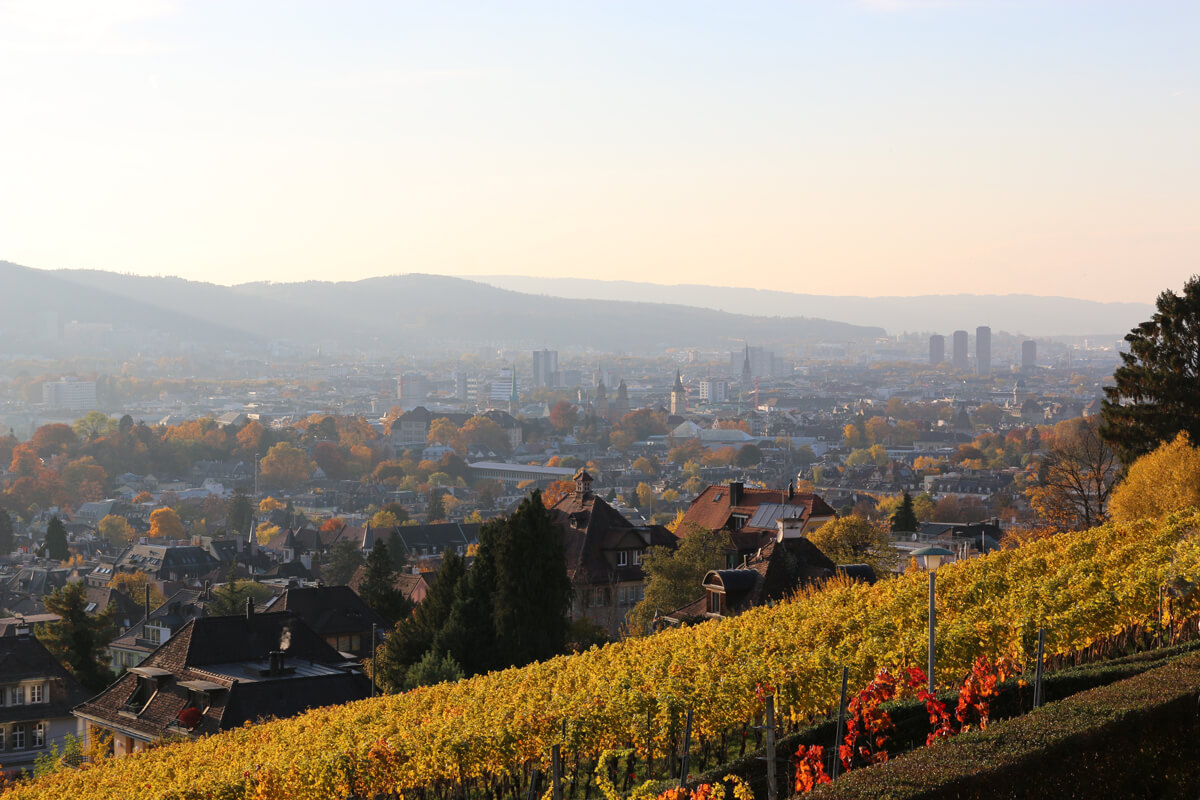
x,y
772,789
649,747
687,746
1037,680
533,782
1159,620
556,770
837,737
374,658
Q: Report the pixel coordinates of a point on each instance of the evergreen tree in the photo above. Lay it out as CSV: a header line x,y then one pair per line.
x,y
338,567
56,541
240,515
78,639
532,594
397,551
469,635
437,506
378,587
414,635
905,518
1153,397
7,539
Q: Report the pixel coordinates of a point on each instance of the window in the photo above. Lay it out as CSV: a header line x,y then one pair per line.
x,y
39,735
16,696
714,603
1,737
622,558
18,737
637,557
37,693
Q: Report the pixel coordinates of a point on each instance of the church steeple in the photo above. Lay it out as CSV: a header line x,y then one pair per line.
x,y
678,396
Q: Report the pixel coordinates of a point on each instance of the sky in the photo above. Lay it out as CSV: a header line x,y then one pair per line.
x,y
869,147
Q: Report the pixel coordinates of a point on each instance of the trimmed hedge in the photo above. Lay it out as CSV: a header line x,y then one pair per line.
x,y
1136,738
912,721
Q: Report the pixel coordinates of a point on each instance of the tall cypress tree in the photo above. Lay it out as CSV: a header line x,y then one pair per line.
x,y
905,518
378,587
6,533
56,541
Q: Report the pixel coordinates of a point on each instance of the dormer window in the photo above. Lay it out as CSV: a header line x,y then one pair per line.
x,y
622,558
637,557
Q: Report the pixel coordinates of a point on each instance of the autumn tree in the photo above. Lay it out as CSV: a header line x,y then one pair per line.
x,y
115,530
557,491
1159,483
134,584
483,432
855,540
54,439
269,504
1153,397
78,639
285,466
748,455
165,524
1075,477
93,425
674,576
563,416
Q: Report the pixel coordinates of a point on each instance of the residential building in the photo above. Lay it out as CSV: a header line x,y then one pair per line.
x,y
983,350
1028,355
335,613
713,390
752,516
219,673
36,697
545,368
937,349
70,393
960,350
604,555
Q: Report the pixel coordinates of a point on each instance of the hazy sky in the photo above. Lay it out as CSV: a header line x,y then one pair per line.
x,y
854,147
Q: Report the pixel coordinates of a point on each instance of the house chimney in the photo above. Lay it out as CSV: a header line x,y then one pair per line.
x,y
276,663
791,489
205,595
735,493
249,608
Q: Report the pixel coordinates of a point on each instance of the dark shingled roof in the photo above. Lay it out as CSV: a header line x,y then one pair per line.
x,y
329,610
228,657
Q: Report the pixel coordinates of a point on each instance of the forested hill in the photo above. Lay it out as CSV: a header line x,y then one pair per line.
x,y
1029,314
396,312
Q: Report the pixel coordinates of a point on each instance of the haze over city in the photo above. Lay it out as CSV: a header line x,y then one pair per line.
x,y
878,147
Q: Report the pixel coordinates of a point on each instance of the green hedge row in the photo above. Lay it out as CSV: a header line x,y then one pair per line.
x,y
912,721
1137,738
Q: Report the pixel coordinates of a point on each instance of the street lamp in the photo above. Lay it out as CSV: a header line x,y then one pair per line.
x,y
931,559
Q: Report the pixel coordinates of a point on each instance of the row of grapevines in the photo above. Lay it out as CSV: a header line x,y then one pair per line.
x,y
1082,587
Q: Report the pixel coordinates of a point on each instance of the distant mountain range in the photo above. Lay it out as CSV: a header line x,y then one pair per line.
x,y
1026,314
404,313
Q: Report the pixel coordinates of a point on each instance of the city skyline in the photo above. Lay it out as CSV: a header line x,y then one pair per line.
x,y
869,147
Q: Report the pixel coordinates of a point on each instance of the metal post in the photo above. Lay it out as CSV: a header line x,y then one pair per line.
x,y
533,783
932,625
1037,679
374,660
837,738
687,746
772,789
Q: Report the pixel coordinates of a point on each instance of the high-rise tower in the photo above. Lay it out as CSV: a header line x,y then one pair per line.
x,y
937,348
983,350
960,349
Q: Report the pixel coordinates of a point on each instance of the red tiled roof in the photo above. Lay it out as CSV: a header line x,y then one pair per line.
x,y
711,509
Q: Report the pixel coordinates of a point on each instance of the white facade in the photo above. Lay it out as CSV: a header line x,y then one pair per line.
x,y
70,393
714,391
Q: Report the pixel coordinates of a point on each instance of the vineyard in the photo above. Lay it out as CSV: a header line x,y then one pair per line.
x,y
484,736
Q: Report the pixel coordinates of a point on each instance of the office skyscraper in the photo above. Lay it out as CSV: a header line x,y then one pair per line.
x,y
960,349
983,350
937,349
